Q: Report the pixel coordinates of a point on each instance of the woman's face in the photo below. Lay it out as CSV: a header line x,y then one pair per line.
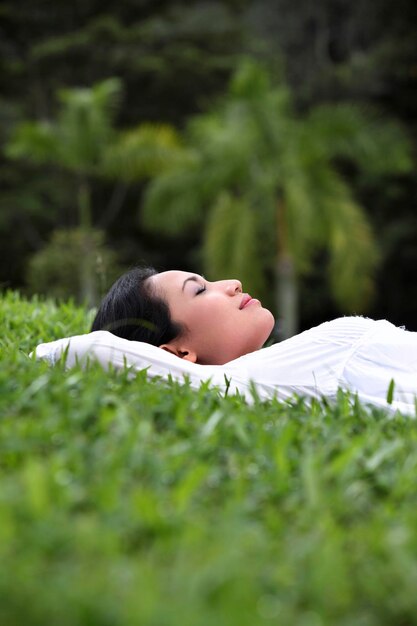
x,y
222,322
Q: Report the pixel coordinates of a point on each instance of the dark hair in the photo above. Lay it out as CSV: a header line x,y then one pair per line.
x,y
130,310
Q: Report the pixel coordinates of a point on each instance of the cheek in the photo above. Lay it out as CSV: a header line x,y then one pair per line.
x,y
215,327
258,329
203,326
212,316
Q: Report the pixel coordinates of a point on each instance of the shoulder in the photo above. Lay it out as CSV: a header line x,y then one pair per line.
x,y
350,326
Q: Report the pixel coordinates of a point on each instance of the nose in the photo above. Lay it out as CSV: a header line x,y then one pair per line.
x,y
233,286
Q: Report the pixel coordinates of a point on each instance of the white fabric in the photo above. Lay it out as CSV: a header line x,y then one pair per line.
x,y
353,353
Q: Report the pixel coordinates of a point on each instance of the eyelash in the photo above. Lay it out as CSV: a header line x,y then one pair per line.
x,y
200,290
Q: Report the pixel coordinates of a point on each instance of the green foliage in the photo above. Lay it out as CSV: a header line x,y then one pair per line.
x,y
83,141
29,322
131,501
233,241
77,140
175,58
35,141
284,171
57,270
85,125
143,151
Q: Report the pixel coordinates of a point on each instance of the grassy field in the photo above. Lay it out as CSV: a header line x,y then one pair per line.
x,y
137,502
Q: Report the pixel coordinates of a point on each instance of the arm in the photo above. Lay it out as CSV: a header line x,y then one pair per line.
x,y
109,350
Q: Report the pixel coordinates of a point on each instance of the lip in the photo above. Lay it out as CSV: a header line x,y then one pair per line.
x,y
245,300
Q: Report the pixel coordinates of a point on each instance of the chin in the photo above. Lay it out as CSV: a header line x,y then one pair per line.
x,y
271,323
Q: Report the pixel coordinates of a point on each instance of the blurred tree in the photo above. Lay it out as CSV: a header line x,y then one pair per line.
x,y
337,49
266,186
77,141
363,52
83,141
172,57
56,268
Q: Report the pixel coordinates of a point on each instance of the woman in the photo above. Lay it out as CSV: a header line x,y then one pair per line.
x,y
213,331
204,322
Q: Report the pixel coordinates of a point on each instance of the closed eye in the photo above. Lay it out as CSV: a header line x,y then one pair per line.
x,y
194,279
200,290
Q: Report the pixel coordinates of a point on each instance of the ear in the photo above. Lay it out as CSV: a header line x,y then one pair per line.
x,y
182,353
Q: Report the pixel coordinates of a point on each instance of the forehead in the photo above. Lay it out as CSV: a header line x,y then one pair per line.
x,y
171,279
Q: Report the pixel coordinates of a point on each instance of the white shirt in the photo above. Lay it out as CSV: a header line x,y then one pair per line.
x,y
352,353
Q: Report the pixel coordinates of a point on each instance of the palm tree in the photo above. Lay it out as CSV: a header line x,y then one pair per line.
x,y
83,141
264,184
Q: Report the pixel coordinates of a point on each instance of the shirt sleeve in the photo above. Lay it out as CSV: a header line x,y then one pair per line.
x,y
353,353
385,358
309,364
112,351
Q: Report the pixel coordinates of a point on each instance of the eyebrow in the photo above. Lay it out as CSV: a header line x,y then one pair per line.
x,y
195,279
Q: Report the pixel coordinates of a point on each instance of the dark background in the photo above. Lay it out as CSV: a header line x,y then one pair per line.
x,y
175,59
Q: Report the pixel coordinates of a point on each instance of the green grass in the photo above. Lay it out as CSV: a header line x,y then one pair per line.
x,y
137,502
